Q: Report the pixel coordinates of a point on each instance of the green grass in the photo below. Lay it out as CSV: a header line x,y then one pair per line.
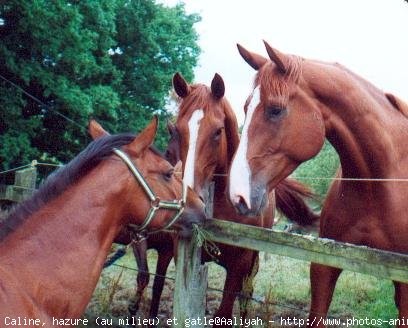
x,y
356,295
282,281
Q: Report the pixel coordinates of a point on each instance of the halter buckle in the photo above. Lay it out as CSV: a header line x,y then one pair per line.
x,y
137,237
181,202
155,203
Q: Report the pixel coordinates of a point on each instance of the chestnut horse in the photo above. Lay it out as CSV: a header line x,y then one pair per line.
x,y
206,131
214,154
296,103
78,212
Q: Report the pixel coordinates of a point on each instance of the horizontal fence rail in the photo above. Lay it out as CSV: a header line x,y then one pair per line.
x,y
361,259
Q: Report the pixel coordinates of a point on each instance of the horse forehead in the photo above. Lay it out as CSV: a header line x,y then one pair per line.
x,y
198,117
275,86
183,120
253,100
187,123
151,157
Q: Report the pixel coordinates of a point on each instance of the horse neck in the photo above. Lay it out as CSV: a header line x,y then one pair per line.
x,y
66,240
360,122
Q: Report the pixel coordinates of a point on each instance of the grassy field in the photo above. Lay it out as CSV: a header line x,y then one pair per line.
x,y
282,290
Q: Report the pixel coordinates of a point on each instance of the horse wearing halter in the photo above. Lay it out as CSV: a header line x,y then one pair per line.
x,y
155,202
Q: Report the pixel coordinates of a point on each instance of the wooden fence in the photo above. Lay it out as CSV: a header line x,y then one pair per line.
x,y
191,284
191,275
23,187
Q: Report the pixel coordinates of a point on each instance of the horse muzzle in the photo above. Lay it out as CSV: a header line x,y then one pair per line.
x,y
192,215
258,202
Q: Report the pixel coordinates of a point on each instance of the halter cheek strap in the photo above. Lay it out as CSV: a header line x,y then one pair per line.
x,y
155,202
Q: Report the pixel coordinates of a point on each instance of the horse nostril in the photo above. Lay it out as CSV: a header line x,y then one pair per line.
x,y
201,198
241,206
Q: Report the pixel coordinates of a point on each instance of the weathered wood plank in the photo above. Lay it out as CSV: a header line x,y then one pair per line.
x,y
319,250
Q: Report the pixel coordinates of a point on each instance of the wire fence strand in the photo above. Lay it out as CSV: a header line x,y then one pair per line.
x,y
258,299
35,163
15,169
32,164
331,178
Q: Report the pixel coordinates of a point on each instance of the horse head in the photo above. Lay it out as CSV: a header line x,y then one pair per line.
x,y
282,129
158,175
207,131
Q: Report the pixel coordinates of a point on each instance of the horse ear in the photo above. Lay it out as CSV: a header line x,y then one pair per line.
x,y
171,128
397,103
96,130
180,85
178,167
145,138
217,86
254,60
277,57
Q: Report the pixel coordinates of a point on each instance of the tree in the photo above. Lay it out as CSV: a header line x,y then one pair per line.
x,y
154,41
109,59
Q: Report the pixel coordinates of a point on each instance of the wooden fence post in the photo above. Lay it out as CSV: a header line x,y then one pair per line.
x,y
26,180
191,278
24,185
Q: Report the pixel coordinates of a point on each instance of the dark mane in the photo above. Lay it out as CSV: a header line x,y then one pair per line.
x,y
61,179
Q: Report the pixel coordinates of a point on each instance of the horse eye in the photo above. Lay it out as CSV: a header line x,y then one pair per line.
x,y
274,112
168,175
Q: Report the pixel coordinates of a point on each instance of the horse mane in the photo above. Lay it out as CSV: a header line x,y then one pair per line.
x,y
65,176
279,87
385,99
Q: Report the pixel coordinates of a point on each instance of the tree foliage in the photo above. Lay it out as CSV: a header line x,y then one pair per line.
x,y
108,59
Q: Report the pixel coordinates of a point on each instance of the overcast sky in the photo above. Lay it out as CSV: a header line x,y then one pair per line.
x,y
368,36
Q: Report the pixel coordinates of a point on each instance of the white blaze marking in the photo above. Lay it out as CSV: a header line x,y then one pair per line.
x,y
193,126
240,174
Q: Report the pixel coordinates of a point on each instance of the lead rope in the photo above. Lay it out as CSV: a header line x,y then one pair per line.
x,y
136,239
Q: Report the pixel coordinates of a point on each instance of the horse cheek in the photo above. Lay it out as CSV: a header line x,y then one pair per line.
x,y
308,137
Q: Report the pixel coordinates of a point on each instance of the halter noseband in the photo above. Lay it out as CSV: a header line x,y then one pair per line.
x,y
155,202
